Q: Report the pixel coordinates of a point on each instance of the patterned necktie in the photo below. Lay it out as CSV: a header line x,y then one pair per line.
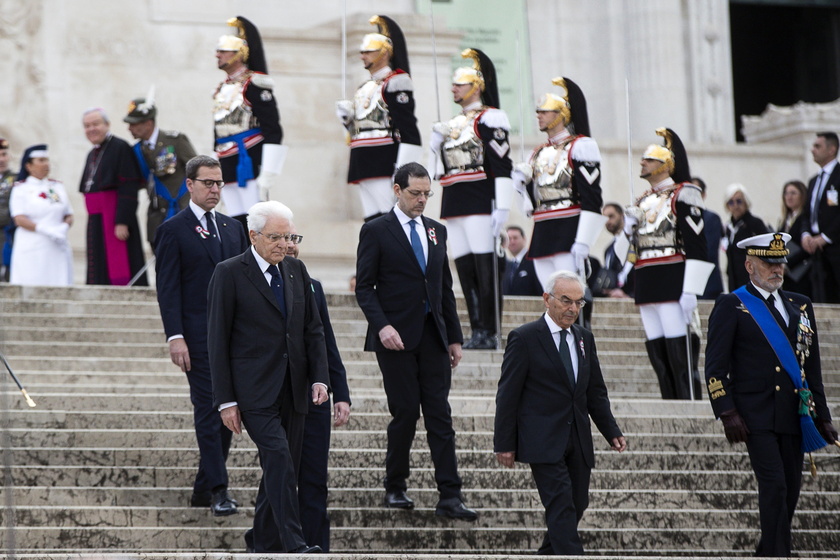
x,y
566,357
214,239
417,246
277,286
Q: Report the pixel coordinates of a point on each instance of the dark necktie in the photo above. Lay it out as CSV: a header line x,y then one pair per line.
x,y
277,288
416,246
214,240
815,201
771,303
566,357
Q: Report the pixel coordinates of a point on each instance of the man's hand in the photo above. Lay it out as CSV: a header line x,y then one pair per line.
x,y
455,354
827,431
319,393
179,353
390,338
688,303
341,414
345,110
580,252
498,219
121,232
618,444
232,419
734,427
506,459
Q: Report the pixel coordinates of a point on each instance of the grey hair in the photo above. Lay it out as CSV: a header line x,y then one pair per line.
x,y
562,275
736,188
99,110
259,213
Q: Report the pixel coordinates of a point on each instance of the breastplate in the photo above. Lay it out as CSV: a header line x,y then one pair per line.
x,y
463,150
553,178
370,119
657,232
230,113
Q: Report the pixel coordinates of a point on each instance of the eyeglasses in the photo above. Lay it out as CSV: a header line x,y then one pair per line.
x,y
734,202
296,239
210,183
418,194
275,238
566,302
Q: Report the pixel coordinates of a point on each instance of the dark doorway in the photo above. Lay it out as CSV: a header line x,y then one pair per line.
x,y
783,52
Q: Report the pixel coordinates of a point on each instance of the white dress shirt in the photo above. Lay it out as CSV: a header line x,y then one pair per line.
x,y
570,340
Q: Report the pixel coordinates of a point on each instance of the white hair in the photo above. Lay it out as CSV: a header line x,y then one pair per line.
x,y
259,213
736,188
562,275
99,110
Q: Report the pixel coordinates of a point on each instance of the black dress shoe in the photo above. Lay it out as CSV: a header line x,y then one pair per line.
x,y
398,500
481,339
454,508
314,549
200,499
221,504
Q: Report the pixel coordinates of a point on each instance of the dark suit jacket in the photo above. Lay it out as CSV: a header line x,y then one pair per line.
x,y
521,280
184,265
828,217
753,381
749,225
338,375
713,231
392,290
253,346
536,406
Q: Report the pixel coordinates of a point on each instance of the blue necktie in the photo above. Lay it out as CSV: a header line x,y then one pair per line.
x,y
277,288
417,246
566,357
215,246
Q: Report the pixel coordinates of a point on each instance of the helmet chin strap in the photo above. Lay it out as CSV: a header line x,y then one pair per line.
x,y
238,56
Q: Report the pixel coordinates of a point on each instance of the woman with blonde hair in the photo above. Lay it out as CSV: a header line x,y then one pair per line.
x,y
742,224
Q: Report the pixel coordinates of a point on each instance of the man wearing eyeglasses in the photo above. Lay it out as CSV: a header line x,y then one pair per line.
x,y
551,384
188,248
268,358
404,288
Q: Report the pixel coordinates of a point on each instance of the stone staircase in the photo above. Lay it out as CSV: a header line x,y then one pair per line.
x,y
105,462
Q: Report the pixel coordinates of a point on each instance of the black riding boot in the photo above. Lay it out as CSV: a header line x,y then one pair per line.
x,y
659,360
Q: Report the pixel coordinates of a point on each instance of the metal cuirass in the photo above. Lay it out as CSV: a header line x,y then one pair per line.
x,y
553,187
230,113
463,150
371,118
657,230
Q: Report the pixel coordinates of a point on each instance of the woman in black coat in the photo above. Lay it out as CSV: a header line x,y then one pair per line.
x,y
742,224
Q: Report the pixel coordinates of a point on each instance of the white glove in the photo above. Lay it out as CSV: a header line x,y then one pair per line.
x,y
580,252
631,220
688,302
344,110
273,159
525,170
442,128
625,272
436,141
56,232
498,219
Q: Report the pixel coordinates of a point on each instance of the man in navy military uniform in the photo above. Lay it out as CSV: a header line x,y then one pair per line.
x,y
763,348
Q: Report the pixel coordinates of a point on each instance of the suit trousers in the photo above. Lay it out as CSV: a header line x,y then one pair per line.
x,y
777,462
211,434
829,261
415,379
564,491
312,476
277,432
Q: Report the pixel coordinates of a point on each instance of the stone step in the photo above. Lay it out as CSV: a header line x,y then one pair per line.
x,y
458,538
499,518
627,475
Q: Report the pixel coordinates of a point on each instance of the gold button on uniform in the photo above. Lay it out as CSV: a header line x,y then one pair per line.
x,y
778,388
778,368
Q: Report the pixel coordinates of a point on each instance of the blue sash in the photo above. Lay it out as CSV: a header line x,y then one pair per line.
x,y
160,188
780,344
245,167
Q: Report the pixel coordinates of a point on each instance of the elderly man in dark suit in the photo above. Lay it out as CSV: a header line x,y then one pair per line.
x,y
551,385
189,247
404,288
763,348
266,351
821,219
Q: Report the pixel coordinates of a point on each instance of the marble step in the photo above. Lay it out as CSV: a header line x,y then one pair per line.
x,y
526,497
182,418
626,475
459,538
500,518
